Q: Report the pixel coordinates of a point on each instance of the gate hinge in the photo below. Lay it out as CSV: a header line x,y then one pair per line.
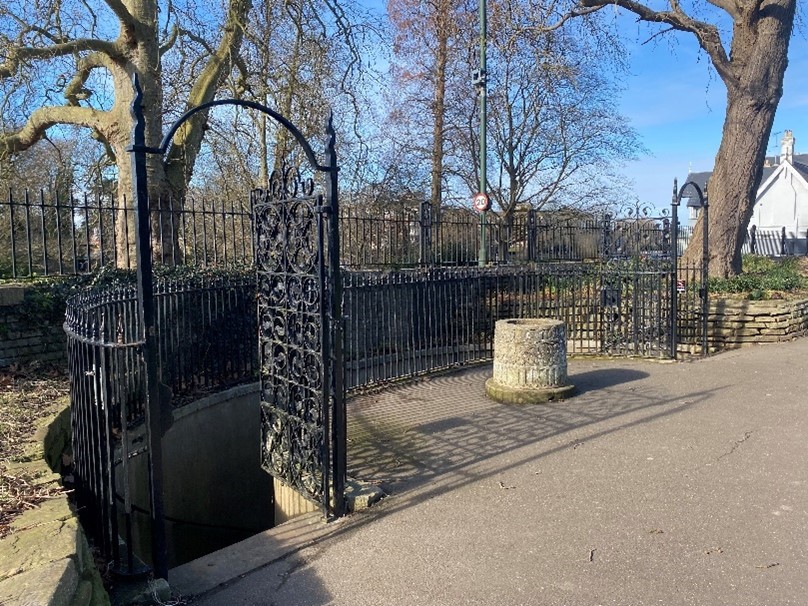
x,y
325,210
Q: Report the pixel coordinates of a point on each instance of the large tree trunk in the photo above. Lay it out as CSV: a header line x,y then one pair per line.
x,y
168,176
759,56
732,188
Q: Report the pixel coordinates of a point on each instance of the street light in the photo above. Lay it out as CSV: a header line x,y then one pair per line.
x,y
480,83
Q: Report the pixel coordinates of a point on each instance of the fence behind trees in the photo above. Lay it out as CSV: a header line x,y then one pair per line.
x,y
48,234
51,234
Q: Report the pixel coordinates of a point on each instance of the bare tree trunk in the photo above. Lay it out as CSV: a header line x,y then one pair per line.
x,y
732,188
753,72
142,51
754,80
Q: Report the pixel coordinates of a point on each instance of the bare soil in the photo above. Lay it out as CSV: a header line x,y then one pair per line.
x,y
27,395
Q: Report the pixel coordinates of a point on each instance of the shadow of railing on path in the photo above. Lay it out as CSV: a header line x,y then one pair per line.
x,y
439,435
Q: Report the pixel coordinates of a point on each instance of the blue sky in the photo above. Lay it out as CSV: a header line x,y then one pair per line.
x,y
676,102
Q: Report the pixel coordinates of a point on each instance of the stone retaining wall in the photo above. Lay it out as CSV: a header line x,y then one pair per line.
x,y
25,335
46,559
736,323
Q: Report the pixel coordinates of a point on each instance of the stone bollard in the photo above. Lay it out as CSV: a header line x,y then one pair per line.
x,y
530,362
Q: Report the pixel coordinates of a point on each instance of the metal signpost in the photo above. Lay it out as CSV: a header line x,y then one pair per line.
x,y
480,81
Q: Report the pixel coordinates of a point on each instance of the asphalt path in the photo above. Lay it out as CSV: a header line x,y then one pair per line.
x,y
659,483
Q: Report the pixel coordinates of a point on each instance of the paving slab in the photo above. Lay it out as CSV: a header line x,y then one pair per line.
x,y
680,483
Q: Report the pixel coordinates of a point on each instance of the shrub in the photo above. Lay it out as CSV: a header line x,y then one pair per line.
x,y
762,277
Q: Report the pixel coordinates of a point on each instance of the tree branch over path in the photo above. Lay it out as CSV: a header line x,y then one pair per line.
x,y
706,33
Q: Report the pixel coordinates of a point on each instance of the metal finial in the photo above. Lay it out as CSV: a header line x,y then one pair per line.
x,y
329,129
136,111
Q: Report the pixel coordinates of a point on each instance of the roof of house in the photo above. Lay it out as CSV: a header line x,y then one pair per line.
x,y
800,164
802,167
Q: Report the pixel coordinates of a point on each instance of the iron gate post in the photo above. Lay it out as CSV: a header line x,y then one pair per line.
x,y
607,235
531,235
705,279
425,232
145,295
339,421
674,315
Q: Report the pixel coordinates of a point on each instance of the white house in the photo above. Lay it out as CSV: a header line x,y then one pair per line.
x,y
782,202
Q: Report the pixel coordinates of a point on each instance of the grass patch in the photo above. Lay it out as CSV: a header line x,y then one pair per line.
x,y
764,278
27,395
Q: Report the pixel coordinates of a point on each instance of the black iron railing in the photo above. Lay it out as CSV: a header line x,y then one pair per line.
x,y
406,323
51,234
48,234
206,342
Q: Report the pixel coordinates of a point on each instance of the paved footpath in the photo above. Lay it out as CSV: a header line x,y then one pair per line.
x,y
659,483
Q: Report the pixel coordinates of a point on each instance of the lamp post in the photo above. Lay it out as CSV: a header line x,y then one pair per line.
x,y
480,82
675,269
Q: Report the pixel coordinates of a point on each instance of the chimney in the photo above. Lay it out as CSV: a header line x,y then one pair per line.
x,y
787,147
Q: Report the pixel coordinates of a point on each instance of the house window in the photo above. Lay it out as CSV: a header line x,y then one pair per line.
x,y
694,213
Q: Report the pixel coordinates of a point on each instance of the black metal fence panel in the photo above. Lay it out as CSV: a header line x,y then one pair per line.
x,y
206,327
408,322
690,310
46,234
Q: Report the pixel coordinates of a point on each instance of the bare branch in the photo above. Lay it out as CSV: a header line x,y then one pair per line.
x,y
17,56
198,39
707,34
75,91
45,117
172,40
29,27
658,34
120,11
575,12
188,139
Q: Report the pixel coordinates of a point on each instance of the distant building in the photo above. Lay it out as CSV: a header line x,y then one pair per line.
x,y
782,201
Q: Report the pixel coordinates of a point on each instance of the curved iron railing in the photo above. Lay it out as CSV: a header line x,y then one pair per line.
x,y
206,329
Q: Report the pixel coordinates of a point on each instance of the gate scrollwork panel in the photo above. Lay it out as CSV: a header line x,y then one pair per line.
x,y
292,318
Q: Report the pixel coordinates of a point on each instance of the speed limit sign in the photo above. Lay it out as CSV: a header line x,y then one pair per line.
x,y
481,202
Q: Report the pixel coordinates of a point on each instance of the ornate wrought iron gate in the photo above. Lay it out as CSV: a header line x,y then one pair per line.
x,y
301,394
301,327
638,285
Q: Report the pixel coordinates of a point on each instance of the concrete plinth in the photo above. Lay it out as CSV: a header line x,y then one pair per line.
x,y
530,362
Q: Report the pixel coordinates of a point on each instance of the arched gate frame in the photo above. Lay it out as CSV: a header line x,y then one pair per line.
x,y
299,318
